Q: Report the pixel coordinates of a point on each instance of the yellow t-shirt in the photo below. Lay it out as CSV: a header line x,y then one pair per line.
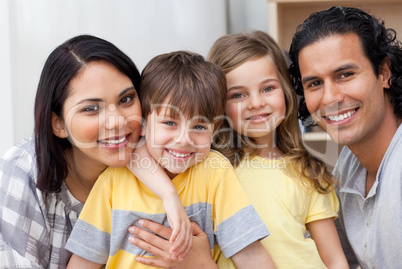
x,y
285,205
209,191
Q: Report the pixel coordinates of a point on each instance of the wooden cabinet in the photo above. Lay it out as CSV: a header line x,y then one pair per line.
x,y
285,15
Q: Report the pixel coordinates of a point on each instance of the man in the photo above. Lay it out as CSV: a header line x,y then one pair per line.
x,y
348,69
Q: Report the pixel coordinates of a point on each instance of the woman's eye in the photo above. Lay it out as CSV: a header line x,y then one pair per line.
x,y
92,108
126,99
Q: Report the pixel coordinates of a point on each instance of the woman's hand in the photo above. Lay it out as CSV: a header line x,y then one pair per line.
x,y
199,256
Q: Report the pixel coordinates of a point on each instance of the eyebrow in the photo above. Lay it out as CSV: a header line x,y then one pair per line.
x,y
342,68
123,92
262,82
126,90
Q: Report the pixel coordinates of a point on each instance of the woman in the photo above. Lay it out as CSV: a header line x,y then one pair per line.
x,y
87,117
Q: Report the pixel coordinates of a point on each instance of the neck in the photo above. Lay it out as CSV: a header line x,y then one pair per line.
x,y
82,175
371,152
267,148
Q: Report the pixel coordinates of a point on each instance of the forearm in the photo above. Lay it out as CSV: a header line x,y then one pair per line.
x,y
150,173
325,236
77,262
253,256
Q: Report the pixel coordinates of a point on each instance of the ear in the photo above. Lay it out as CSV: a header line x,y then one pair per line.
x,y
385,73
58,126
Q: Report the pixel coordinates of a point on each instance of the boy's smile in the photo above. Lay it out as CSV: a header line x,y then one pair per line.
x,y
177,143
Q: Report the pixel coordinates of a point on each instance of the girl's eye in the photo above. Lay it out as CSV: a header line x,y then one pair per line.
x,y
126,99
91,108
267,89
237,96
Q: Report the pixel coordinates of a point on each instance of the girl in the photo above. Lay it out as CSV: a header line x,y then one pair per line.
x,y
291,190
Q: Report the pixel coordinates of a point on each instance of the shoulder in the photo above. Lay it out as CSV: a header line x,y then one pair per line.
x,y
215,160
346,165
115,176
19,162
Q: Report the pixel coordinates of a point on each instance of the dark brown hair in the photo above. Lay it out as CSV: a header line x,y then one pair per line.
x,y
63,65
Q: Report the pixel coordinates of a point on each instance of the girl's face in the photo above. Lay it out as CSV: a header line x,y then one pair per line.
x,y
101,116
256,101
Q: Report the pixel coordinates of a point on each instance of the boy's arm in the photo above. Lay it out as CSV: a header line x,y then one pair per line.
x,y
254,255
325,236
155,178
77,262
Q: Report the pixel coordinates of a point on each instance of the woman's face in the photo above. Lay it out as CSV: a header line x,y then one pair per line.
x,y
101,116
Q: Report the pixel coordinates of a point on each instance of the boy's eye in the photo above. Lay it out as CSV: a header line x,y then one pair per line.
x,y
169,123
200,127
91,108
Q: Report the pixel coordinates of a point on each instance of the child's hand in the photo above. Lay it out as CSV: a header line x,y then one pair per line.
x,y
181,238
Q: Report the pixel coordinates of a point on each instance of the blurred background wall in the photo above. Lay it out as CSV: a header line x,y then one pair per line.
x,y
30,30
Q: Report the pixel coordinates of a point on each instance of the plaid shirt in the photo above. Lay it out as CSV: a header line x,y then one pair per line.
x,y
34,226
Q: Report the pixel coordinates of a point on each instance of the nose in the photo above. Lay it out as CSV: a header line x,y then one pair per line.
x,y
183,138
332,94
113,118
255,101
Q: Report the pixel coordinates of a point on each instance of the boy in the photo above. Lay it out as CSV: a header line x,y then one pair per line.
x,y
183,100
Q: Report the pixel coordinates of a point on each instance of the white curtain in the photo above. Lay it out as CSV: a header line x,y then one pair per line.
x,y
141,28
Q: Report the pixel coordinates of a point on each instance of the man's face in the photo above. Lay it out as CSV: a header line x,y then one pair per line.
x,y
341,90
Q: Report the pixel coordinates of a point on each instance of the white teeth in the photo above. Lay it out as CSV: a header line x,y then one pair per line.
x,y
112,142
178,154
341,116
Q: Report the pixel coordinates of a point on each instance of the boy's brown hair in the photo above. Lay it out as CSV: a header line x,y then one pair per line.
x,y
187,82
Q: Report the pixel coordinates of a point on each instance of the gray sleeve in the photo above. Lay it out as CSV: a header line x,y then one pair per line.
x,y
89,243
240,230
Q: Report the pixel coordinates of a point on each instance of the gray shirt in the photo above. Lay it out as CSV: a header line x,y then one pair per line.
x,y
372,224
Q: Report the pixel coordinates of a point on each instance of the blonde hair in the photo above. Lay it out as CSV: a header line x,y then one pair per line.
x,y
231,51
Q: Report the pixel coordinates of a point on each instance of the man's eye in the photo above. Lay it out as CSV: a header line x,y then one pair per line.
x,y
345,75
315,84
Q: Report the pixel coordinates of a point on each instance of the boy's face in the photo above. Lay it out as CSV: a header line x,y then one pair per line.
x,y
177,143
